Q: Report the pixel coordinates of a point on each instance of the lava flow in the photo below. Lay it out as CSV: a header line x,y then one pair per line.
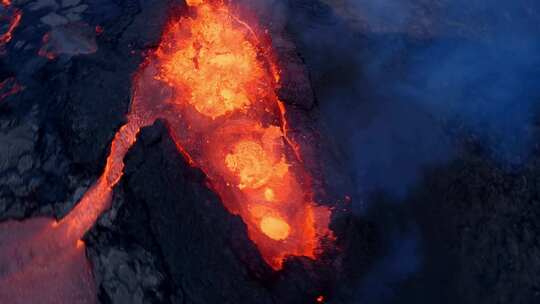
x,y
231,124
12,17
214,81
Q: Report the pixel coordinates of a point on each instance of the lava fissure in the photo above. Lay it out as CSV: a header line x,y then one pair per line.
x,y
231,124
13,17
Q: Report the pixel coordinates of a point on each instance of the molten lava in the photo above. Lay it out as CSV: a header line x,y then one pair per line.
x,y
13,18
275,228
231,125
214,81
212,63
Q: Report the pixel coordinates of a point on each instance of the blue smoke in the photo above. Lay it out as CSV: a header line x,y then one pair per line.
x,y
401,260
492,87
403,100
408,85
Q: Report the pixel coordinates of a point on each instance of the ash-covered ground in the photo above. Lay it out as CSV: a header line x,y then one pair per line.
x,y
423,113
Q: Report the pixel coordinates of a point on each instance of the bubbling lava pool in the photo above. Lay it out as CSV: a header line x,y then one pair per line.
x,y
213,79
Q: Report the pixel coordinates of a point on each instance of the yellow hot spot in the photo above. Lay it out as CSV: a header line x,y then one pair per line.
x,y
269,194
275,228
194,2
251,164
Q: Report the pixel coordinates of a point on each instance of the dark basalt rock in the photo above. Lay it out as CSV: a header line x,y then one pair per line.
x,y
483,232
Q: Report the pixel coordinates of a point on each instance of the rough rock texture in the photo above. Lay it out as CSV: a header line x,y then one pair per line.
x,y
480,221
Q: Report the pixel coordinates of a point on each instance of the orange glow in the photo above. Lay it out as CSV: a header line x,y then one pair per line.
x,y
211,61
269,194
320,299
39,267
224,80
213,80
294,145
275,228
194,2
254,168
14,21
97,199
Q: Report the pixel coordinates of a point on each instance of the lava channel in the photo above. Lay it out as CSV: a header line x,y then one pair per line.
x,y
213,79
228,119
11,17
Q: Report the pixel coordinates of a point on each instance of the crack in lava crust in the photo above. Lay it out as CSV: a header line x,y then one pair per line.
x,y
214,81
12,17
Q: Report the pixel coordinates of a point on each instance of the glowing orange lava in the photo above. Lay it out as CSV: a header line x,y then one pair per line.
x,y
13,18
214,82
97,199
212,62
232,126
275,228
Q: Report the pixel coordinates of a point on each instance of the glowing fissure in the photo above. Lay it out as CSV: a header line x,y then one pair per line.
x,y
13,17
231,124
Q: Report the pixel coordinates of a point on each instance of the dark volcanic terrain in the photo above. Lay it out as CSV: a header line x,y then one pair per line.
x,y
424,118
